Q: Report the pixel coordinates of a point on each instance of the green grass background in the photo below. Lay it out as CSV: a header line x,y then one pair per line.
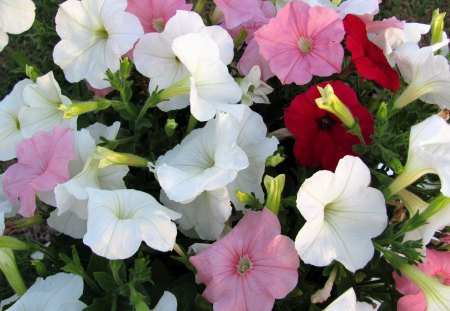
x,y
35,46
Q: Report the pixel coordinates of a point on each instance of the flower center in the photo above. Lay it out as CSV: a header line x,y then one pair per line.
x,y
244,265
305,45
158,24
101,34
442,277
325,123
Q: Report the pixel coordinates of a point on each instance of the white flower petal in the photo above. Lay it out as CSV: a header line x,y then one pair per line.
x,y
17,16
98,130
68,223
3,39
168,302
10,133
206,214
57,292
119,220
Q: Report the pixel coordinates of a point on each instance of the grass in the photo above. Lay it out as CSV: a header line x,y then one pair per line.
x,y
35,46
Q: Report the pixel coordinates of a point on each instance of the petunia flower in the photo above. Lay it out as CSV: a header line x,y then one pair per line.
x,y
321,139
236,13
94,35
119,220
429,152
302,42
54,293
428,76
168,302
250,58
368,58
342,215
15,18
155,59
42,112
6,208
207,159
355,7
427,286
42,164
154,14
10,128
249,267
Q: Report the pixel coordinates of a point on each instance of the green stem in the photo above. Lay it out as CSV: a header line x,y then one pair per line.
x,y
199,6
191,124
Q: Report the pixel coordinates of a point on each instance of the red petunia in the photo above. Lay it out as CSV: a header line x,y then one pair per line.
x,y
367,57
321,138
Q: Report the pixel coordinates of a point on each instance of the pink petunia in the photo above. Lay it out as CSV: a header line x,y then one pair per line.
x,y
250,267
238,12
437,265
43,162
154,14
302,42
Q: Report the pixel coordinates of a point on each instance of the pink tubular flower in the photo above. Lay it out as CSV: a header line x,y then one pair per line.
x,y
43,162
250,267
302,41
154,14
437,265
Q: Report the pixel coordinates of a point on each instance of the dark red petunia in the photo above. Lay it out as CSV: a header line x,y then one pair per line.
x,y
321,138
367,57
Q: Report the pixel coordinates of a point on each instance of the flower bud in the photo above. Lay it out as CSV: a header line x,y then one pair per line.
x,y
77,109
274,187
109,157
9,268
437,26
331,103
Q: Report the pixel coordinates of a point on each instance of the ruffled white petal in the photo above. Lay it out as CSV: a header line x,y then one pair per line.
x,y
168,302
68,223
16,16
57,292
3,39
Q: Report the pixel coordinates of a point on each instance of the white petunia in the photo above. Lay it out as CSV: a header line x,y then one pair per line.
x,y
168,302
253,89
347,301
354,7
120,220
428,76
57,292
94,35
155,59
253,140
212,88
342,215
205,216
42,112
206,159
16,16
429,152
10,128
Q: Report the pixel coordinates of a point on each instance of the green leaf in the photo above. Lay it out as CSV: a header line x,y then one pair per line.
x,y
201,304
106,281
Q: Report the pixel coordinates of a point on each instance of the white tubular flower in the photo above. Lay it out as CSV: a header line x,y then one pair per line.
x,y
205,216
120,220
429,152
347,301
57,292
342,215
211,87
168,302
10,128
16,16
207,159
42,112
428,76
255,143
94,35
253,89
